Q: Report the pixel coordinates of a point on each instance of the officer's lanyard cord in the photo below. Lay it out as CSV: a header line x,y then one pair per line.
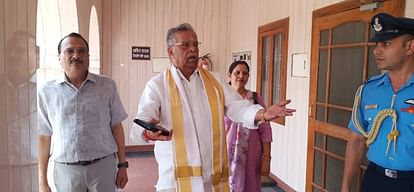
x,y
377,122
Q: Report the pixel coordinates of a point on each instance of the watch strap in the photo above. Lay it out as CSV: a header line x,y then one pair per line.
x,y
124,164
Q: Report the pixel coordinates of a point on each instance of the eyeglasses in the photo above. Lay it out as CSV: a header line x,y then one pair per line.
x,y
187,44
71,51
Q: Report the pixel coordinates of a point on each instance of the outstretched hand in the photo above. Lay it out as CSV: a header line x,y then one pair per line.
x,y
278,110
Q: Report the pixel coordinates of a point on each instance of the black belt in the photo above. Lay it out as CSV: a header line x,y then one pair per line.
x,y
83,163
391,173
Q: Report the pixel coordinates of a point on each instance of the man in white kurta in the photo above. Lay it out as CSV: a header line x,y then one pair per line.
x,y
199,117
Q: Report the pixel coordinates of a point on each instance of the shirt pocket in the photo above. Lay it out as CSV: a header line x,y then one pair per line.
x,y
92,113
370,114
407,120
406,128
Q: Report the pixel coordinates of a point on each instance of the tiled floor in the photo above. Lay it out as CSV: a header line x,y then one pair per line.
x,y
143,174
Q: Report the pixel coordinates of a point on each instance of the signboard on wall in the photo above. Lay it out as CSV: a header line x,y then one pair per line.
x,y
244,56
141,53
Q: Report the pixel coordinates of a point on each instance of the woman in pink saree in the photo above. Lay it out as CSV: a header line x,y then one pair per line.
x,y
248,149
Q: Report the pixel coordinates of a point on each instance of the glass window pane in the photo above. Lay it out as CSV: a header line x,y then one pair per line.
x,y
320,113
339,117
317,168
353,185
372,66
334,171
265,68
319,140
277,60
316,189
322,70
324,38
336,146
349,33
346,75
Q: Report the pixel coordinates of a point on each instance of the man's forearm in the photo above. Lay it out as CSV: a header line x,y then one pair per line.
x,y
355,151
119,136
43,159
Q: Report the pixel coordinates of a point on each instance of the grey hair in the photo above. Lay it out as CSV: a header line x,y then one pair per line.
x,y
171,32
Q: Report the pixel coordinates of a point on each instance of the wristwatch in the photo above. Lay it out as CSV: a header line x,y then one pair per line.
x,y
124,164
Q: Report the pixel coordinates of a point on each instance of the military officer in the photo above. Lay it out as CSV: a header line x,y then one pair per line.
x,y
382,120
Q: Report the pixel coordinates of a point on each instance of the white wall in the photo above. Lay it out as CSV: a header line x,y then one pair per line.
x,y
409,8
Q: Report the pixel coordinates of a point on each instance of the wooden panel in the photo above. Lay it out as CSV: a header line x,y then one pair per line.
x,y
26,180
215,48
24,138
221,60
207,35
170,8
145,38
106,49
125,58
4,178
192,13
158,28
175,13
116,40
150,40
14,178
11,23
199,26
21,44
184,10
33,139
133,66
35,174
2,76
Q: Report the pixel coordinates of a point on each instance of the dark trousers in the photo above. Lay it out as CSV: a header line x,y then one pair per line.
x,y
376,180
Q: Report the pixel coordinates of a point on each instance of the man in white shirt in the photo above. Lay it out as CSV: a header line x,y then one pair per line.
x,y
191,102
80,119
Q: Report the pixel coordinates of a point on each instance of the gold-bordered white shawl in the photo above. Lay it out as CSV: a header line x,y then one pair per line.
x,y
188,172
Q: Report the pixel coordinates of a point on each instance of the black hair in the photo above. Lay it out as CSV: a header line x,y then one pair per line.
x,y
73,34
239,62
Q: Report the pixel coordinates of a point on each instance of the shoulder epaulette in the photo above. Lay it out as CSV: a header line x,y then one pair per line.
x,y
375,77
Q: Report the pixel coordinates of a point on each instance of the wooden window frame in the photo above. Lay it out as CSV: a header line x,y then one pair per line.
x,y
280,26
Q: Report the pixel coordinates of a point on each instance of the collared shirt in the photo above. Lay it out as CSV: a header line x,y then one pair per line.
x,y
376,96
80,120
153,105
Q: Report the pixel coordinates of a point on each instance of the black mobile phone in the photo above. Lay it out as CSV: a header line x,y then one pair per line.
x,y
152,127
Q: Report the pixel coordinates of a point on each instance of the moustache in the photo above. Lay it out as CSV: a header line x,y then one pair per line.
x,y
76,62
